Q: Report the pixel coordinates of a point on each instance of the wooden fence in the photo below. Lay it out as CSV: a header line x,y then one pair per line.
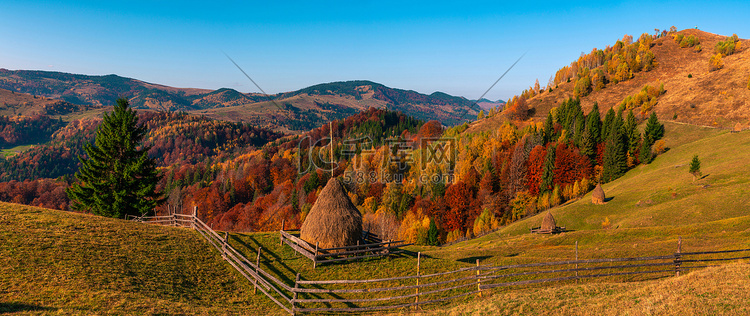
x,y
314,296
323,255
268,284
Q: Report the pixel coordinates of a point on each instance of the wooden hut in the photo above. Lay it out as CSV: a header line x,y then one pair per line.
x,y
333,220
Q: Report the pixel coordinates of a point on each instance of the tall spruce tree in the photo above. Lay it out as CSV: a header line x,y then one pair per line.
x,y
654,130
548,172
118,178
615,154
588,145
609,118
594,123
632,134
548,133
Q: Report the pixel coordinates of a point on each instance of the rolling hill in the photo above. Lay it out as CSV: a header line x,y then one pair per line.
x,y
693,95
295,111
80,260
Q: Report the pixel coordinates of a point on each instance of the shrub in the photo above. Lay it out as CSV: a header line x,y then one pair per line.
x,y
678,38
689,41
695,167
715,62
728,46
690,75
606,224
582,87
659,147
645,99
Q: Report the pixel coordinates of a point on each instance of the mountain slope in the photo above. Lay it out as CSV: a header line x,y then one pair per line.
x,y
694,94
67,263
313,106
308,107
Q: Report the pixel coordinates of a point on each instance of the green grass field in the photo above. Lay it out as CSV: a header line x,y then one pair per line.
x,y
10,152
54,262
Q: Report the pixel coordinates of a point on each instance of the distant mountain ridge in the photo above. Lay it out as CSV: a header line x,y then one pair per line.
x,y
308,107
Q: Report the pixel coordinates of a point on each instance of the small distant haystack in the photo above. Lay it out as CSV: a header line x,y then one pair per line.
x,y
333,220
597,197
548,226
737,127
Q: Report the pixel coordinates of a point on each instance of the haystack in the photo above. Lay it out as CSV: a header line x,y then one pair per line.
x,y
737,127
333,220
549,226
548,222
597,197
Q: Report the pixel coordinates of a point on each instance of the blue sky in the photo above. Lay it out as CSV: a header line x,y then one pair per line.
x,y
459,48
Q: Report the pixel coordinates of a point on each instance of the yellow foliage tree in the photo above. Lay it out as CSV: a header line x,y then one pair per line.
x,y
715,62
485,222
412,225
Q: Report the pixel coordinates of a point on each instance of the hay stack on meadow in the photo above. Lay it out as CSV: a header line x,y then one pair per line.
x,y
333,220
548,223
597,197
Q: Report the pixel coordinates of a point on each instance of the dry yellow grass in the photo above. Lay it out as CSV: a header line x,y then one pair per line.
x,y
718,98
723,290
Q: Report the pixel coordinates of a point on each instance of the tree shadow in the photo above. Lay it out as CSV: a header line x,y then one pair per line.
x,y
20,307
473,259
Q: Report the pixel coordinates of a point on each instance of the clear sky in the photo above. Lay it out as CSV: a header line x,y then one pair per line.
x,y
457,47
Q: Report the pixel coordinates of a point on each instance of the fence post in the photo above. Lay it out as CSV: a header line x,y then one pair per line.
x,y
479,282
257,266
419,256
224,245
315,256
576,260
677,256
294,295
195,217
281,236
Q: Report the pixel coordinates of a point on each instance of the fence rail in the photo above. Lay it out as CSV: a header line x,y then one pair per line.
x,y
336,296
375,248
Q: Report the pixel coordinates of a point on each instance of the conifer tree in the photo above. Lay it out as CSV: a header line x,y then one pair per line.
x,y
645,152
118,178
615,154
654,130
594,123
432,234
548,173
607,125
549,129
631,132
695,167
588,145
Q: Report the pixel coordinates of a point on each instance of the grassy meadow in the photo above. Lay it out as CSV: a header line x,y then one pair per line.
x,y
54,262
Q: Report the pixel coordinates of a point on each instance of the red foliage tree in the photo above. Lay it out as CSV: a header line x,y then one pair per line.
x,y
535,168
459,197
570,165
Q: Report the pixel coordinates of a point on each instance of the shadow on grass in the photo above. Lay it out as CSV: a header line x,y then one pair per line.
x,y
607,199
473,259
20,307
275,268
